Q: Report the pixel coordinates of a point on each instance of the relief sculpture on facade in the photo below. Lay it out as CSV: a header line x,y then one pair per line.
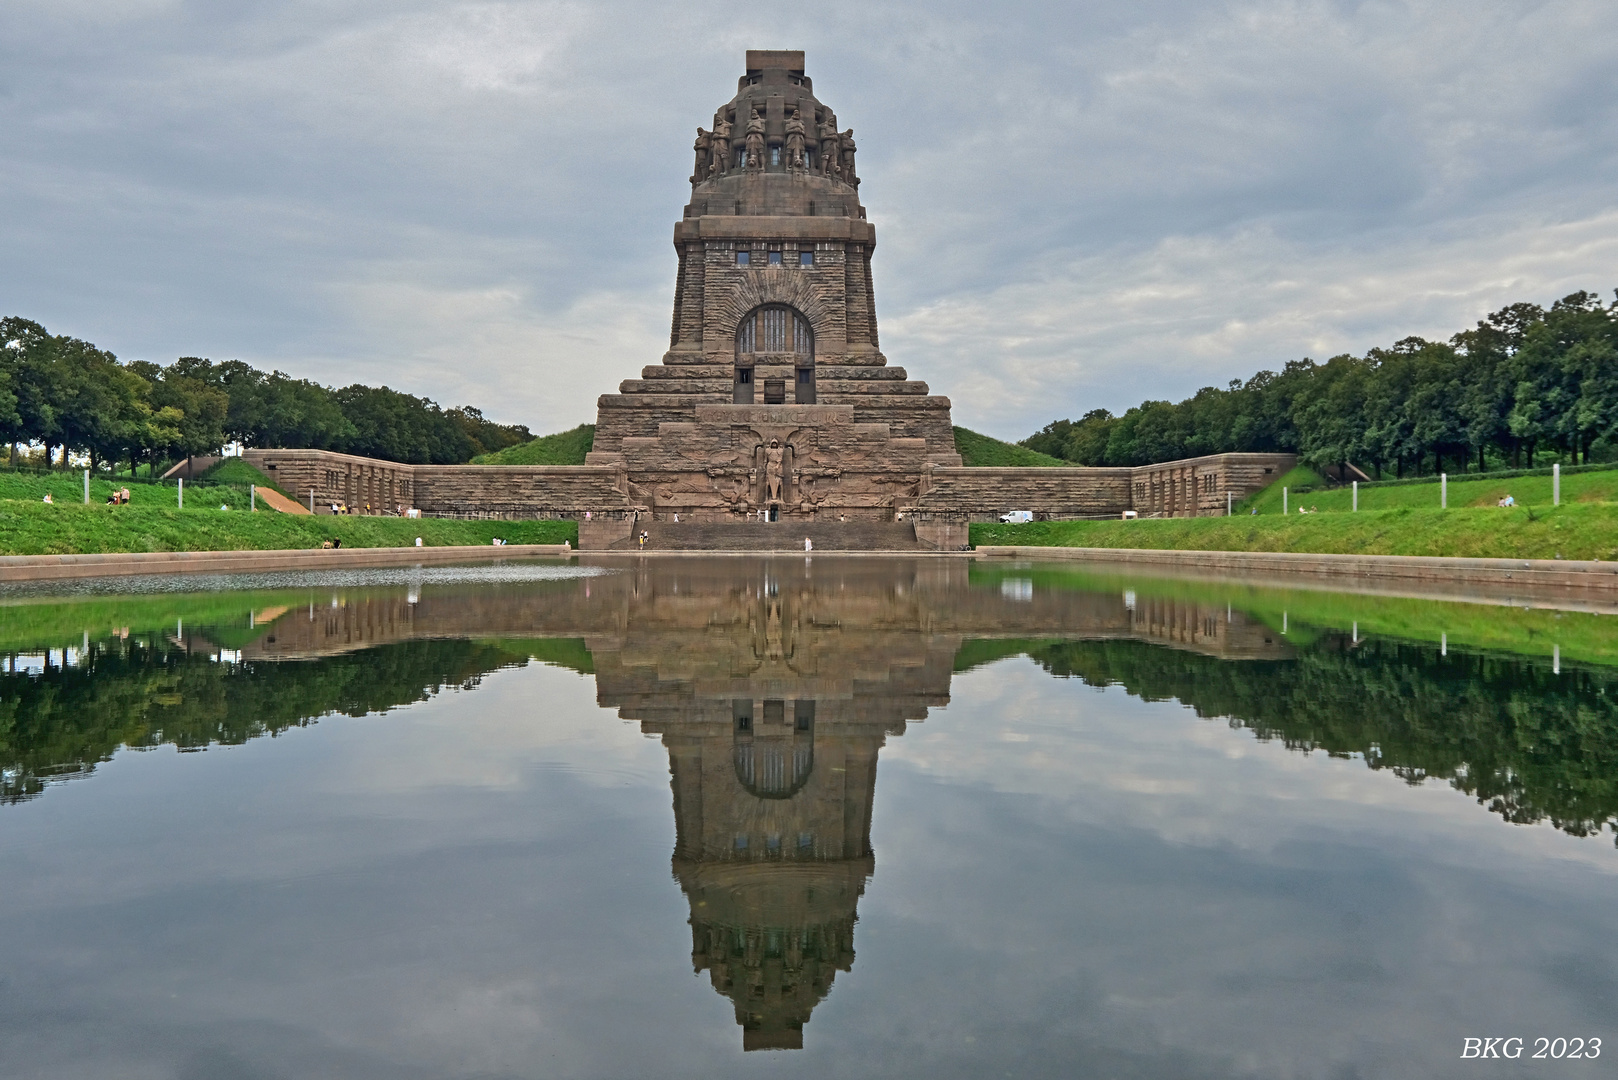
x,y
719,145
830,154
774,455
755,142
699,171
794,133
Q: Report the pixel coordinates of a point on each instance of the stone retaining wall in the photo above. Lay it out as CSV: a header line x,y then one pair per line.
x,y
1505,578
1196,486
120,564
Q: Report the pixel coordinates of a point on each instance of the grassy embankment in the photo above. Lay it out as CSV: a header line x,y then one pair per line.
x,y
1570,531
563,448
1484,491
152,521
1393,519
1582,637
981,451
569,448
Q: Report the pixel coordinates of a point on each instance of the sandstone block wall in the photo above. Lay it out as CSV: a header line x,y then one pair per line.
x,y
708,468
337,478
983,494
1190,488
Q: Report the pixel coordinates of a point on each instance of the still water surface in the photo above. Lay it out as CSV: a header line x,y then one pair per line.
x,y
841,817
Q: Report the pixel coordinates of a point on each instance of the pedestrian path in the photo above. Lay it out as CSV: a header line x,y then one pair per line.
x,y
277,501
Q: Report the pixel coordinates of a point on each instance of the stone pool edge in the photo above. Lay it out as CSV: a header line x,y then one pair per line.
x,y
118,564
1428,569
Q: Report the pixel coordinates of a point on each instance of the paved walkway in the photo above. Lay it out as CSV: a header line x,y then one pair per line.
x,y
277,501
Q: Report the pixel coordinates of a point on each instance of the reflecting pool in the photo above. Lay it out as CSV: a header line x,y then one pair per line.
x,y
838,816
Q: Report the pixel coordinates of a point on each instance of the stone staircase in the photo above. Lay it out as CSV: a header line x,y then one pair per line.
x,y
775,536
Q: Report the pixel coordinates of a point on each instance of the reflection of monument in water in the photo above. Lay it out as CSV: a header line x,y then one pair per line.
x,y
773,684
773,718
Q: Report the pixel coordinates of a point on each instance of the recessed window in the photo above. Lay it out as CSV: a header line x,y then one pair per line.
x,y
805,376
743,258
806,258
744,375
741,843
806,841
775,258
775,155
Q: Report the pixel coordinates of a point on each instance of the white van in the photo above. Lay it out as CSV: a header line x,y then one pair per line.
x,y
1017,517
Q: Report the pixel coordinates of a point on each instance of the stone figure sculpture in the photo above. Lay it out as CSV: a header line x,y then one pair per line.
x,y
699,172
755,142
830,154
795,133
849,175
774,456
719,146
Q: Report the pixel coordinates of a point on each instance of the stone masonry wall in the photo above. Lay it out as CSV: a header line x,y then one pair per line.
x,y
1196,486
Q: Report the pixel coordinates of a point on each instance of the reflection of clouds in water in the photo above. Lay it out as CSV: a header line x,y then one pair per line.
x,y
1104,756
478,574
1184,911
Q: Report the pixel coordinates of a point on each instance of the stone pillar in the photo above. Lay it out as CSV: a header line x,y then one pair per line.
x,y
688,297
870,300
858,329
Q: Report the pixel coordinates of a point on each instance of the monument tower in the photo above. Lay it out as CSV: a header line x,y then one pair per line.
x,y
774,398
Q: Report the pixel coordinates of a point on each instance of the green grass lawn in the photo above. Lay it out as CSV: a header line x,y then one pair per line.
x,y
68,488
982,451
1598,486
1581,637
33,528
1571,531
233,470
564,448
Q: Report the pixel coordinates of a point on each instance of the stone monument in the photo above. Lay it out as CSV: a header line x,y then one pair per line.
x,y
774,400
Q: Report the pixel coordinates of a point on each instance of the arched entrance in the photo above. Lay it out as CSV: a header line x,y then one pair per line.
x,y
775,335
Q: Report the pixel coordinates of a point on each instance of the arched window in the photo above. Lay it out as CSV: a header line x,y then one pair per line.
x,y
775,335
772,760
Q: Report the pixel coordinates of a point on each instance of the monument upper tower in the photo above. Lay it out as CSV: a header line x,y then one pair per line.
x,y
775,186
774,397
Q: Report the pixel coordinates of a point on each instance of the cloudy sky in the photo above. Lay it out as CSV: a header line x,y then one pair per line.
x,y
1078,204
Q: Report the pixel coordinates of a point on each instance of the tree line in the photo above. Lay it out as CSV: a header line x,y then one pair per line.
x,y
144,692
1526,381
68,395
1528,744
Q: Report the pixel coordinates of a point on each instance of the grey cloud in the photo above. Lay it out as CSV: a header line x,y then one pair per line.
x,y
473,201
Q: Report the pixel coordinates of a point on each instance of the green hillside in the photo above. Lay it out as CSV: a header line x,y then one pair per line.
x,y
1579,530
981,450
1475,489
563,448
233,470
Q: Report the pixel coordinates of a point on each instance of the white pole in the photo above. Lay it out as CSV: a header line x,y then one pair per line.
x,y
1556,484
1443,644
182,493
252,496
1228,504
311,500
1283,500
1556,659
1356,496
1443,491
86,487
